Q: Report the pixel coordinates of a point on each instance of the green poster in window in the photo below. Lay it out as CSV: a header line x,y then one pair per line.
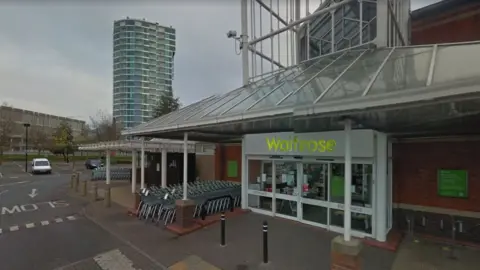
x,y
338,185
453,183
232,168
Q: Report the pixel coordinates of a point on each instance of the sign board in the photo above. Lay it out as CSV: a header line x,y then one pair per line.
x,y
232,168
453,183
315,144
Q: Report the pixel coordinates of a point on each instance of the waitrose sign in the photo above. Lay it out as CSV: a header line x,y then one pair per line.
x,y
315,144
295,144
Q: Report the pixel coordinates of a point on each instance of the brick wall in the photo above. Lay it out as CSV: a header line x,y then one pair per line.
x,y
455,26
415,168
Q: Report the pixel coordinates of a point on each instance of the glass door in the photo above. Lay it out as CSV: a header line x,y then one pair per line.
x,y
314,195
260,183
287,175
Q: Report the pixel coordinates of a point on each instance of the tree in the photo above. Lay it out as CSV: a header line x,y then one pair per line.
x,y
38,138
6,128
63,139
166,104
105,127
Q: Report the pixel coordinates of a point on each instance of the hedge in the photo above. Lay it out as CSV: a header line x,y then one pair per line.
x,y
113,160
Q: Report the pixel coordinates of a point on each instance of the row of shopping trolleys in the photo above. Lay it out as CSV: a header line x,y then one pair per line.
x,y
213,196
115,174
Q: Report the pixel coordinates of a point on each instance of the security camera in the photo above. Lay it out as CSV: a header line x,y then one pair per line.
x,y
232,34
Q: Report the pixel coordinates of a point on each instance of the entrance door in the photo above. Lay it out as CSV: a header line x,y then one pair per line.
x,y
287,188
314,196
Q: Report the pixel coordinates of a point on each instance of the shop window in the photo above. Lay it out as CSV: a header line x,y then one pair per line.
x,y
260,183
286,175
359,222
361,184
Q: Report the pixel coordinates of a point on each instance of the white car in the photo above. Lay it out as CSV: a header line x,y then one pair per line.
x,y
41,165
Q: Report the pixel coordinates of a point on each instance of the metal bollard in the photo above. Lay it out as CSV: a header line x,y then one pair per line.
x,y
72,181
265,242
84,188
222,230
94,192
107,197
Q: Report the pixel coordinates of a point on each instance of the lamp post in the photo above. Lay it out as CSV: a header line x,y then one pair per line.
x,y
26,125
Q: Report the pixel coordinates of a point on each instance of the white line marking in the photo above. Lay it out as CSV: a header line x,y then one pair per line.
x,y
13,177
15,183
113,260
14,228
58,220
1,175
45,223
3,191
30,225
30,174
71,218
1,231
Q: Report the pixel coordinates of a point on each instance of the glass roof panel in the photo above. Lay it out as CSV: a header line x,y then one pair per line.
x,y
200,109
304,70
355,80
250,90
456,62
406,68
290,86
315,86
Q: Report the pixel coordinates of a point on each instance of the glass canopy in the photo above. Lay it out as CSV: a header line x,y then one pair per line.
x,y
340,76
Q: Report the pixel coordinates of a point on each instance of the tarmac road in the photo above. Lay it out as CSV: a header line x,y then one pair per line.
x,y
42,227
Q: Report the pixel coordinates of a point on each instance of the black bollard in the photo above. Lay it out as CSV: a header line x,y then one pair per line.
x,y
265,242
222,230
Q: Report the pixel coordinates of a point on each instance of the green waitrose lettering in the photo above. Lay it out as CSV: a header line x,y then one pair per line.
x,y
294,144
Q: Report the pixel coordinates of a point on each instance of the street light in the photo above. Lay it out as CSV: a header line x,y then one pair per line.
x,y
26,125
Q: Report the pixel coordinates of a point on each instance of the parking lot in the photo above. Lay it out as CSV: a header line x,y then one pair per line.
x,y
16,169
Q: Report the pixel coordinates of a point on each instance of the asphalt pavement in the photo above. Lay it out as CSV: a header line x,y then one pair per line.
x,y
42,227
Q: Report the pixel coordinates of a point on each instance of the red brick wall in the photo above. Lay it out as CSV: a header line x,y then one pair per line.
x,y
415,168
455,26
223,154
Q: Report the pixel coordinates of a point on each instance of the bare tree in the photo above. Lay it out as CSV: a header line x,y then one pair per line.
x,y
105,127
39,138
6,128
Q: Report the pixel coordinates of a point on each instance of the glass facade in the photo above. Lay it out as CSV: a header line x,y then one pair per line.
x,y
143,54
346,23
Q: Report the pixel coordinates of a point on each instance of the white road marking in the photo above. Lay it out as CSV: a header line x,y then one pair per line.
x,y
44,222
3,191
71,218
1,175
58,220
14,228
30,225
15,183
13,177
114,260
1,231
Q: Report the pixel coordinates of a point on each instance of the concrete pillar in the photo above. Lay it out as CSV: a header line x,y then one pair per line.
x,y
134,171
107,170
164,168
348,183
107,195
142,165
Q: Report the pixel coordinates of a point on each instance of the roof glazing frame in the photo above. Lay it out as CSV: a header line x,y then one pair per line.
x,y
428,88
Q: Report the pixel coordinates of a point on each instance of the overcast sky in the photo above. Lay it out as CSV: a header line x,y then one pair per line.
x,y
56,56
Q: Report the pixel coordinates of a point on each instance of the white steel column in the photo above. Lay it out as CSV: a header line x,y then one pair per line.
x,y
107,170
380,217
134,171
348,183
382,24
185,166
244,40
164,168
244,170
142,165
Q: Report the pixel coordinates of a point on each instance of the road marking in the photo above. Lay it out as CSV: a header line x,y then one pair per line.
x,y
3,191
36,224
113,260
1,175
16,183
13,177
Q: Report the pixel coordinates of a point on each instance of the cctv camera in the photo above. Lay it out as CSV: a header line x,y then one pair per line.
x,y
232,34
